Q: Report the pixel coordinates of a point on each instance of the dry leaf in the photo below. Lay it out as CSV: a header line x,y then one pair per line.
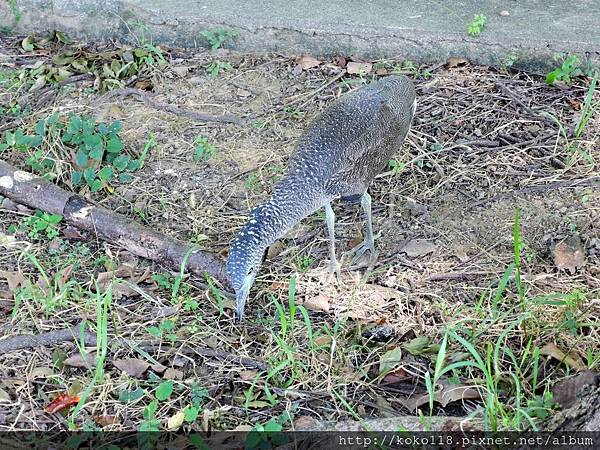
x,y
395,376
307,62
104,421
418,247
456,61
41,372
72,233
571,360
4,396
569,254
61,402
322,340
275,250
132,366
65,274
304,423
248,375
14,279
445,394
173,374
78,360
175,421
340,61
318,303
358,68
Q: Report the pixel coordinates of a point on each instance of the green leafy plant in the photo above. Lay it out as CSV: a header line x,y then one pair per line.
x,y
215,68
395,166
570,67
477,25
165,329
38,225
216,37
203,150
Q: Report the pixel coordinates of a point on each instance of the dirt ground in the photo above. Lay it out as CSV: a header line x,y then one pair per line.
x,y
484,143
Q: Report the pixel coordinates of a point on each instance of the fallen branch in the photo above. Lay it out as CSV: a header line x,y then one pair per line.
x,y
48,339
35,192
146,97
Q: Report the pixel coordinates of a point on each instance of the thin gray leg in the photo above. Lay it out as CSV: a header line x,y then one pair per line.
x,y
369,242
334,266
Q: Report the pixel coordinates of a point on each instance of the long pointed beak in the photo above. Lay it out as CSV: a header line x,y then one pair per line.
x,y
241,296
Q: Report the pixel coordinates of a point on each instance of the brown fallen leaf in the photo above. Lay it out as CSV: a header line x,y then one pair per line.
x,y
73,233
14,279
456,61
307,62
445,393
248,375
340,61
359,68
104,421
173,374
65,274
304,423
418,247
569,254
275,249
319,303
571,360
78,360
322,340
132,366
395,376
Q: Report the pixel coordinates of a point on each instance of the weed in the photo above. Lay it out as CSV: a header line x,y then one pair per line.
x,y
304,262
395,166
214,69
203,150
508,61
164,330
588,108
570,67
477,25
251,181
407,66
216,37
38,225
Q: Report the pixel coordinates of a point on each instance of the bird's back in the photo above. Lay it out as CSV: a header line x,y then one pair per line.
x,y
352,140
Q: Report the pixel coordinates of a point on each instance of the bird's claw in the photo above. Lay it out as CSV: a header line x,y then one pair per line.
x,y
334,270
361,249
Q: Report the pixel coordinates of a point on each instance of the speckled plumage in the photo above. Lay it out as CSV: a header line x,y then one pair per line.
x,y
338,156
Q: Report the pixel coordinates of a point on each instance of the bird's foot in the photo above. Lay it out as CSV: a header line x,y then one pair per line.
x,y
361,249
334,270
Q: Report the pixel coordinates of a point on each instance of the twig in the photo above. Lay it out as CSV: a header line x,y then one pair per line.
x,y
47,339
146,98
51,338
594,181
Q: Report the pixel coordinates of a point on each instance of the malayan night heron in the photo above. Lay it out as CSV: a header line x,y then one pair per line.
x,y
338,156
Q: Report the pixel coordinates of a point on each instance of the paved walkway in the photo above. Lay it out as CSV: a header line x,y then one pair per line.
x,y
528,32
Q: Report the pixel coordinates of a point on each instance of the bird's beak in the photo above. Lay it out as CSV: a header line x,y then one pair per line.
x,y
242,295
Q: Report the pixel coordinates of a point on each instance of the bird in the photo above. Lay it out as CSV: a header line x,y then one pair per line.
x,y
337,157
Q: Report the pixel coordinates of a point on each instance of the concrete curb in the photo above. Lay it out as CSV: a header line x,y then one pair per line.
x,y
528,37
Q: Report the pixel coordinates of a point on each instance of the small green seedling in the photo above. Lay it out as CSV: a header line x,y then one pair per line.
x,y
216,37
203,150
477,25
214,69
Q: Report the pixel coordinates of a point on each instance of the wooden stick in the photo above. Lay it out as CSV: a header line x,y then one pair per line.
x,y
35,192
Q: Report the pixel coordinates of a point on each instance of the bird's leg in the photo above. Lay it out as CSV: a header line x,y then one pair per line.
x,y
369,242
334,266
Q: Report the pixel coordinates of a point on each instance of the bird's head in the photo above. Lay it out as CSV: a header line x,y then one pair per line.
x,y
246,254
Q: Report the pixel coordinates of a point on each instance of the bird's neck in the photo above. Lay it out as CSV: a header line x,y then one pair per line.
x,y
274,218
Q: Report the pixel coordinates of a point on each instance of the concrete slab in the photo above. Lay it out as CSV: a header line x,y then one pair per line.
x,y
428,31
